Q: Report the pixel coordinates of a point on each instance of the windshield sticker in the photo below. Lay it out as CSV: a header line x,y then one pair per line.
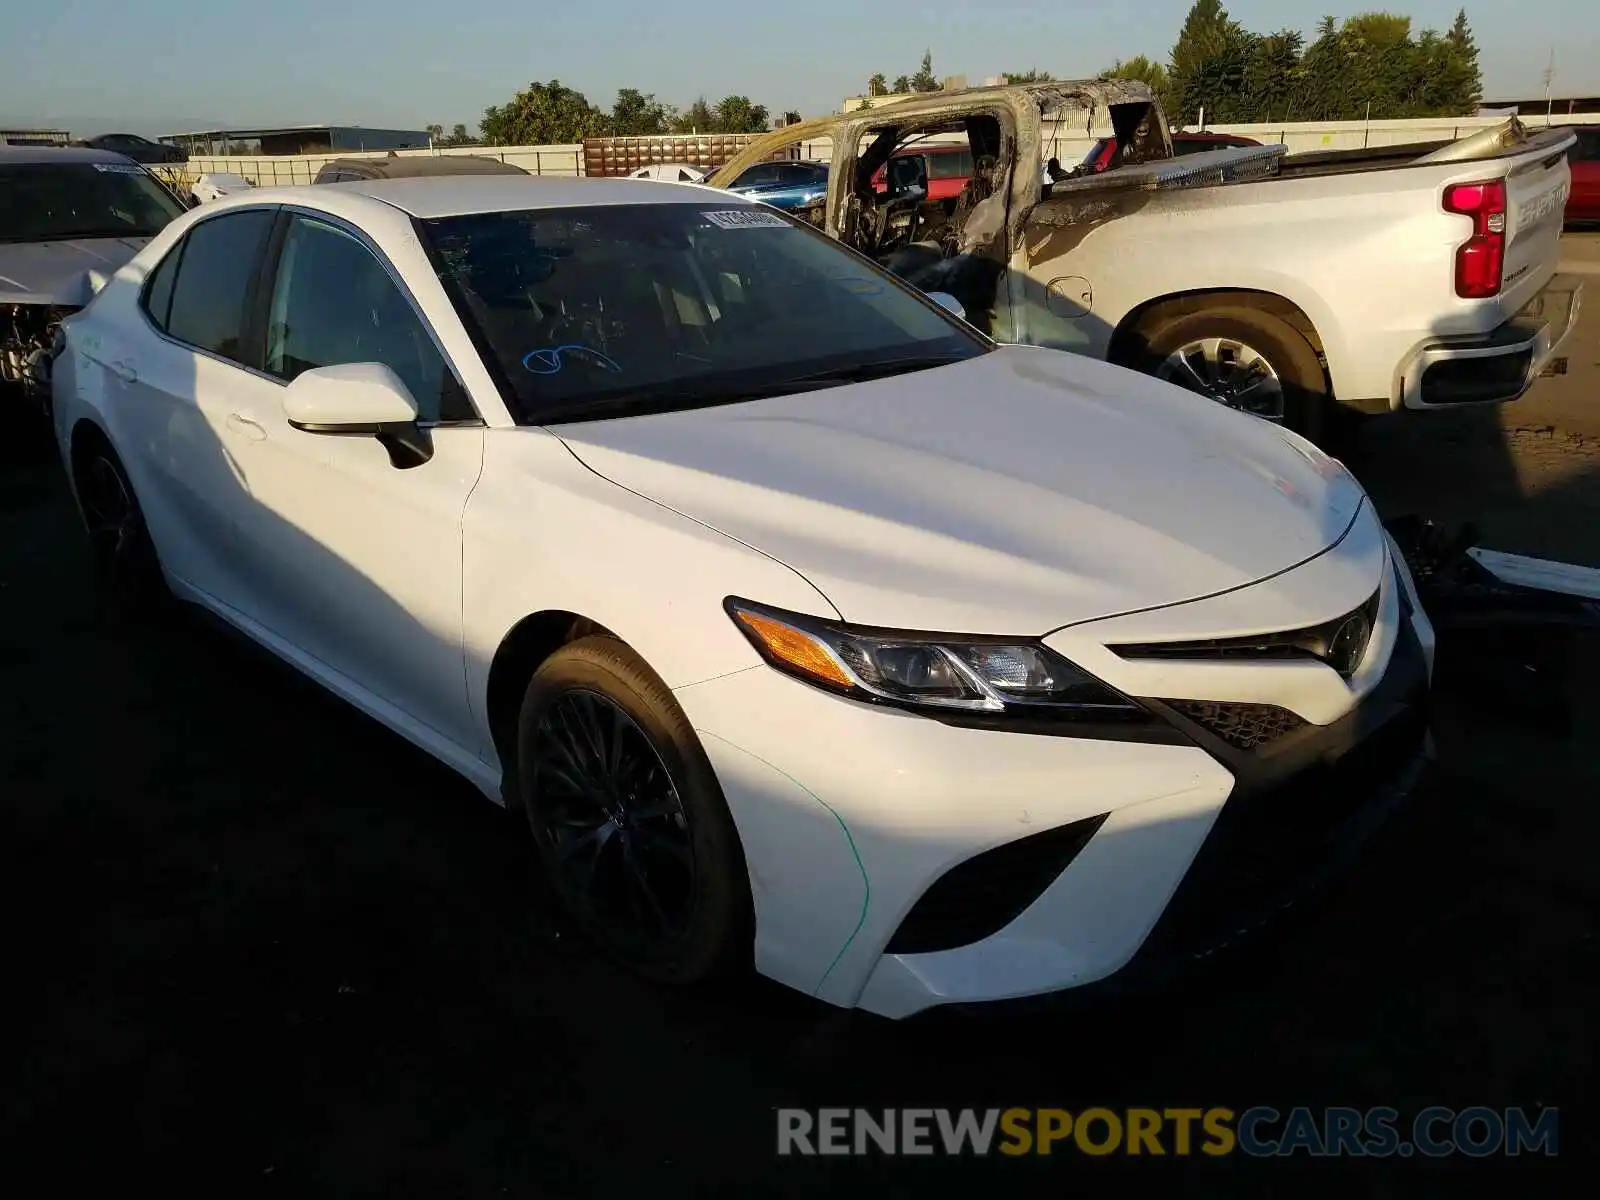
x,y
118,168
549,361
860,285
745,218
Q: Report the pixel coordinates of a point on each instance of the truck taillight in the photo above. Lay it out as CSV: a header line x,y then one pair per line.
x,y
1481,259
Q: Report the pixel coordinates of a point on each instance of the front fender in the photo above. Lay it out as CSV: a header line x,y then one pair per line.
x,y
543,532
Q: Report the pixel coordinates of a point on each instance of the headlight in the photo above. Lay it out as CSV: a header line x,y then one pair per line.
x,y
949,675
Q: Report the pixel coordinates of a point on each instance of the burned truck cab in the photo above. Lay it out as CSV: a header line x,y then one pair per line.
x,y
961,245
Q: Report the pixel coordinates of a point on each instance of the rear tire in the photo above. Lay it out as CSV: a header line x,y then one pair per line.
x,y
636,840
124,554
1247,359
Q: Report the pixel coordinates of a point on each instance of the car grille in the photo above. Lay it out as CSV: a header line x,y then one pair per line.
x,y
1268,844
1341,643
1242,726
984,894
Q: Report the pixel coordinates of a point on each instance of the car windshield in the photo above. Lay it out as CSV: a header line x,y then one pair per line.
x,y
622,309
48,202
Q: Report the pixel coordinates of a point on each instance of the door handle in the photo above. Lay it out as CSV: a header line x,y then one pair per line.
x,y
244,425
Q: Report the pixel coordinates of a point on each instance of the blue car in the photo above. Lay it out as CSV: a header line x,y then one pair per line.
x,y
786,185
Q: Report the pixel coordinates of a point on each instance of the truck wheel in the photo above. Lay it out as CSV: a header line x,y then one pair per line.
x,y
1246,359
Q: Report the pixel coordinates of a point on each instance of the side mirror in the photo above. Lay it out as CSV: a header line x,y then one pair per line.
x,y
359,400
949,303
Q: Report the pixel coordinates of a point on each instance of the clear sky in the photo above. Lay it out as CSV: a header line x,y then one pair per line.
x,y
408,63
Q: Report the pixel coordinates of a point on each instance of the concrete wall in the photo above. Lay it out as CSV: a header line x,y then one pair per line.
x,y
287,170
1069,145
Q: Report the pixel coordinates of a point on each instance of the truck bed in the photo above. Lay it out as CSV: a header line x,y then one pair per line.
x,y
1409,154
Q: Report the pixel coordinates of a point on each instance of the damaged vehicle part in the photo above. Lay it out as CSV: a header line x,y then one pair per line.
x,y
1244,274
1461,591
1499,636
69,218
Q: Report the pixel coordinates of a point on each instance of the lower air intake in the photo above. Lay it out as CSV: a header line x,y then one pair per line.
x,y
983,895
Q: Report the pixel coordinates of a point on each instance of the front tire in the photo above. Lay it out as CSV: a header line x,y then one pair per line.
x,y
1246,359
636,840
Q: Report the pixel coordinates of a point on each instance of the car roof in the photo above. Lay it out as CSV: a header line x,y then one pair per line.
x,y
425,166
458,195
20,155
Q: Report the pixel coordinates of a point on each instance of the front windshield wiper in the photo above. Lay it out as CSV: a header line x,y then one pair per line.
x,y
85,235
880,369
642,402
636,404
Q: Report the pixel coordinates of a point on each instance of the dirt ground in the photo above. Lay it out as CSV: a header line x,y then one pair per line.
x,y
257,945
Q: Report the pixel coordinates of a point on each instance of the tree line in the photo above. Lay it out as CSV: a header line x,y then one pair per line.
x,y
923,80
1371,65
1368,65
551,113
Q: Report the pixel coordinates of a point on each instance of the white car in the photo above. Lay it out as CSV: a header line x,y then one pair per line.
x,y
670,173
809,627
216,184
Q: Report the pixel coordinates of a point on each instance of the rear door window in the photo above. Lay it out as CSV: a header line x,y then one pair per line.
x,y
955,165
797,173
761,173
211,295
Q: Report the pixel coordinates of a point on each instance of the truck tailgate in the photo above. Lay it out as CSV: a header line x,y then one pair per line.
x,y
1537,182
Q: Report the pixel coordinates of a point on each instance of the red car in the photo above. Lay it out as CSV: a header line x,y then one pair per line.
x,y
1583,203
947,169
1103,151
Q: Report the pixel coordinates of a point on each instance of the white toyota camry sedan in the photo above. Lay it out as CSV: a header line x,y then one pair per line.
x,y
811,629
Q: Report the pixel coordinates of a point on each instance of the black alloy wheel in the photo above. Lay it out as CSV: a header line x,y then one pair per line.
x,y
118,537
634,833
610,818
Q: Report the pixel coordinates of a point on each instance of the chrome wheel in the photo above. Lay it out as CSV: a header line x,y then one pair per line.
x,y
1228,371
611,823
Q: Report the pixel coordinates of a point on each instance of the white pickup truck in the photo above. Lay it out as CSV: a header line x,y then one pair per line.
x,y
1296,287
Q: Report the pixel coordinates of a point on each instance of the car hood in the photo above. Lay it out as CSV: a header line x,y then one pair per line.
x,y
58,272
1016,492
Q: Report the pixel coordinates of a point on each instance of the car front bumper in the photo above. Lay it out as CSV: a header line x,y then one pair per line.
x,y
1033,864
1502,366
